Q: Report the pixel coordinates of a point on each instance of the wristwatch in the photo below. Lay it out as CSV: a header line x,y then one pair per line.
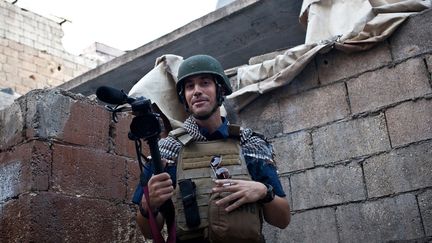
x,y
269,196
144,212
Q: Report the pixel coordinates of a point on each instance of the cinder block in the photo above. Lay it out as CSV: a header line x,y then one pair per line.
x,y
345,140
133,178
311,226
413,37
87,125
10,52
425,203
88,172
293,152
395,218
410,122
11,126
53,217
47,112
54,114
122,144
429,63
305,80
29,66
23,168
400,170
286,187
264,110
313,108
374,90
327,186
270,232
337,65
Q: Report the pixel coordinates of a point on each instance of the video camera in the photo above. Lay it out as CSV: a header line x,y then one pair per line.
x,y
145,125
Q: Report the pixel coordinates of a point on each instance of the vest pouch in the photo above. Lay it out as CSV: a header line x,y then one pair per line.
x,y
188,195
242,225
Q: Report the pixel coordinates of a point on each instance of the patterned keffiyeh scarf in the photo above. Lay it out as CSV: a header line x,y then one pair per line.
x,y
252,144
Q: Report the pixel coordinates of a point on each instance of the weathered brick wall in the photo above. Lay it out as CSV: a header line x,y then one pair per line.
x,y
353,135
31,51
67,174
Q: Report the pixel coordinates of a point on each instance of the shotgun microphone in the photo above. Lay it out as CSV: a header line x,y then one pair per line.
x,y
112,96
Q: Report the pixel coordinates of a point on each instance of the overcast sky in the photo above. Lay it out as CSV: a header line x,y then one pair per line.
x,y
123,24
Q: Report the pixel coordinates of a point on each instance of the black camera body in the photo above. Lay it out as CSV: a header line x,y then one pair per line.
x,y
145,125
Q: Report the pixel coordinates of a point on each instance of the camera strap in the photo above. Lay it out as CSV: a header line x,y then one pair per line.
x,y
156,234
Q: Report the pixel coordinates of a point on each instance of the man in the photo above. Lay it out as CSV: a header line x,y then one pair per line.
x,y
220,177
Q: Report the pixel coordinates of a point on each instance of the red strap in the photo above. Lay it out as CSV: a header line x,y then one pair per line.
x,y
156,234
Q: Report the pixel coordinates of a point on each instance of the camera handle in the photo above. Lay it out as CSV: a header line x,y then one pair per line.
x,y
145,125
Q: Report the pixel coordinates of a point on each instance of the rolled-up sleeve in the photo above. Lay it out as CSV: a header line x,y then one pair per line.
x,y
265,172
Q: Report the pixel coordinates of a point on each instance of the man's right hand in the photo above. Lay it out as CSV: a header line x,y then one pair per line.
x,y
160,189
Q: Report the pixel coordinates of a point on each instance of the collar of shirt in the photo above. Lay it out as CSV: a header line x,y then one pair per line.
x,y
220,133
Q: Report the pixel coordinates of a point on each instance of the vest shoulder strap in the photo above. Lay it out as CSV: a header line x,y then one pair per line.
x,y
234,131
181,135
184,138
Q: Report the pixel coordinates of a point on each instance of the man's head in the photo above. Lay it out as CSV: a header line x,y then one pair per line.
x,y
202,83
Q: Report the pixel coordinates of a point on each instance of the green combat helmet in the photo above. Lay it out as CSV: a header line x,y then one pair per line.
x,y
200,64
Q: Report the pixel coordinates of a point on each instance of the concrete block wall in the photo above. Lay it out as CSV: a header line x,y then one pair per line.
x,y
31,52
353,136
67,172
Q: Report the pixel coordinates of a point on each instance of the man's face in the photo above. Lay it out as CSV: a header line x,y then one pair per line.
x,y
200,94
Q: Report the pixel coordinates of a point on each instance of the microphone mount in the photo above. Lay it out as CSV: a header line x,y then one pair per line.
x,y
145,124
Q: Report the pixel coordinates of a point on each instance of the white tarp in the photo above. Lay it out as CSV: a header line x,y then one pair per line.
x,y
347,25
158,85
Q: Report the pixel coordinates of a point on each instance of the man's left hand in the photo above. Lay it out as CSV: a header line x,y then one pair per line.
x,y
242,192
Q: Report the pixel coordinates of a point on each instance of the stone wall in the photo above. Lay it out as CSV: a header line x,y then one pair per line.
x,y
31,52
67,173
353,140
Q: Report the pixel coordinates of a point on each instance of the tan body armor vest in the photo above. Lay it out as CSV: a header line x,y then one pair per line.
x,y
194,163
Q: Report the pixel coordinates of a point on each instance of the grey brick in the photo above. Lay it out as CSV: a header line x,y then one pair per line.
x,y
401,170
429,62
293,152
386,86
47,113
287,188
413,37
270,232
11,125
305,80
337,65
327,186
311,226
313,108
410,122
262,115
344,140
10,176
380,221
425,203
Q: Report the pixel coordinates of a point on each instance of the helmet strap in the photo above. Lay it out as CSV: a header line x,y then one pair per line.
x,y
219,94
